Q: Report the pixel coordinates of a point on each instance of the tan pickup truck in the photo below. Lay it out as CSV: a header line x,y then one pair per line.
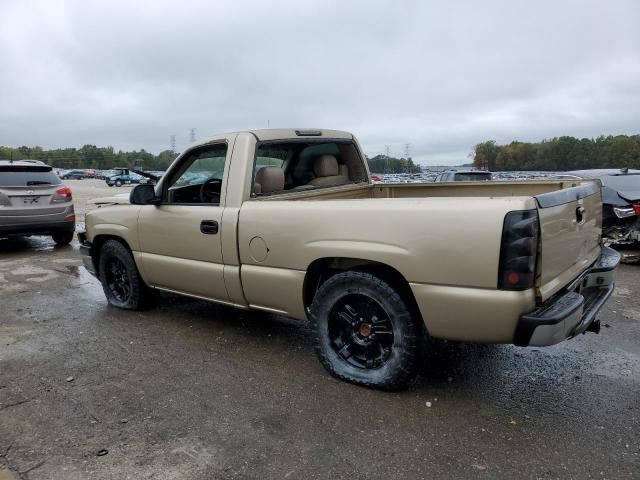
x,y
288,222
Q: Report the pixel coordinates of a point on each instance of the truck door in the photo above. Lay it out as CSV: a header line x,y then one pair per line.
x,y
180,239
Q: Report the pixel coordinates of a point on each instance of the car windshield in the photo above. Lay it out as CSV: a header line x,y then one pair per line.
x,y
27,176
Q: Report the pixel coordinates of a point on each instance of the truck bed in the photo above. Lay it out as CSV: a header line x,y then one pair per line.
x,y
529,188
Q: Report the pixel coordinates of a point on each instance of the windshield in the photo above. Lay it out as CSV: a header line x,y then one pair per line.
x,y
27,176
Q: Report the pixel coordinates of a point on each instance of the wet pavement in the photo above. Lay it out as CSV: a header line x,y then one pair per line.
x,y
188,389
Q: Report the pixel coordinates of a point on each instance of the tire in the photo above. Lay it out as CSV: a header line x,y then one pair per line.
x,y
62,238
118,183
346,350
122,284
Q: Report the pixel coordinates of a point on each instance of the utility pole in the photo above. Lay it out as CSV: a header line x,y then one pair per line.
x,y
192,134
387,154
407,154
172,141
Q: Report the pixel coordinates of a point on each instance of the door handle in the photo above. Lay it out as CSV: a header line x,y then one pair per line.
x,y
209,227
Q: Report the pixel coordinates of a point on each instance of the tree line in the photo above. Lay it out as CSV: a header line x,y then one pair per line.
x,y
90,156
560,154
384,164
106,158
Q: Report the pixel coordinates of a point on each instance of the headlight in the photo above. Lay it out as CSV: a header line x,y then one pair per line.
x,y
624,212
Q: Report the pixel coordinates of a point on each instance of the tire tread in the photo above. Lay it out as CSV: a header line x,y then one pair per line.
x,y
396,379
140,292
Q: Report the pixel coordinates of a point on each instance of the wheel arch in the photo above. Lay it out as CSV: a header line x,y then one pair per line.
x,y
321,269
99,241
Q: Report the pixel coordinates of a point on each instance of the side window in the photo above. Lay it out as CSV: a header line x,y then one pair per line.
x,y
198,180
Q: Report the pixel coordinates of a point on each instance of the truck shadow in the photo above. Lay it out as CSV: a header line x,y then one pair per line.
x,y
441,362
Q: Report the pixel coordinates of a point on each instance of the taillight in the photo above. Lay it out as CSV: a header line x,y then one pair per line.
x,y
636,208
518,250
62,195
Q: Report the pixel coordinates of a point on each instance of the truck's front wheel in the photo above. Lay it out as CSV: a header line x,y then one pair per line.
x,y
364,331
122,284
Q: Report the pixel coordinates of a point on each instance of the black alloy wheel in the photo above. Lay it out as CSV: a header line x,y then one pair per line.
x,y
365,331
118,279
121,281
360,331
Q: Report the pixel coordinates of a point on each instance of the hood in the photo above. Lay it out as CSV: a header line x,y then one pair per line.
x,y
119,199
627,187
631,194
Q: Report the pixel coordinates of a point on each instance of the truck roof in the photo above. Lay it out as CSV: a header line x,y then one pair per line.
x,y
285,133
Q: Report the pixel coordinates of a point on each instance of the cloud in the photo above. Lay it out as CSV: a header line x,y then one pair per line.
x,y
439,76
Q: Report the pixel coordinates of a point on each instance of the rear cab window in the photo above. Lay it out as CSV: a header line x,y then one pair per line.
x,y
288,166
27,175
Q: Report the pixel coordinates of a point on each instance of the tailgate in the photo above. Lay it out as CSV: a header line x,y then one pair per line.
x,y
570,235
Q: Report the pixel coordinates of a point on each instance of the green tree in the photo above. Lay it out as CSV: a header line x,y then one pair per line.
x,y
560,154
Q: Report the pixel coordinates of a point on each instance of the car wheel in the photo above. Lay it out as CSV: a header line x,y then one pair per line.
x,y
118,183
364,331
62,238
122,284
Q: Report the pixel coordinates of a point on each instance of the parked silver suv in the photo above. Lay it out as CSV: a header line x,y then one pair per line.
x,y
33,201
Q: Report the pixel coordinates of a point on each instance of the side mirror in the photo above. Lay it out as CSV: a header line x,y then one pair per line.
x,y
144,194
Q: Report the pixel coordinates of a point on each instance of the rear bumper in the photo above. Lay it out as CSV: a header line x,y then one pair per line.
x,y
85,253
572,310
40,228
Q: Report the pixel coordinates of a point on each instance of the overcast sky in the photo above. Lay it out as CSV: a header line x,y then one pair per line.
x,y
440,76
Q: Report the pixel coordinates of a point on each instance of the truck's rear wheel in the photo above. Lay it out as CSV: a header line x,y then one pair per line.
x,y
122,284
364,331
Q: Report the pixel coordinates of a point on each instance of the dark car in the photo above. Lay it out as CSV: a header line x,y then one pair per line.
x,y
33,201
74,175
621,203
464,176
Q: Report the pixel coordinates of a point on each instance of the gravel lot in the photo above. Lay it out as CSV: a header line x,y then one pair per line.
x,y
85,190
189,389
